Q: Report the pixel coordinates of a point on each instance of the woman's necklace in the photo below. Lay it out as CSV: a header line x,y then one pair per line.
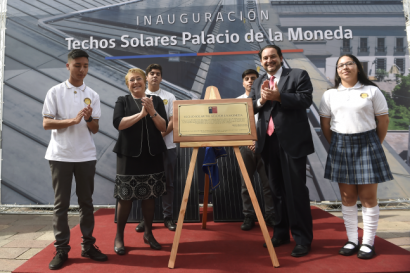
x,y
135,100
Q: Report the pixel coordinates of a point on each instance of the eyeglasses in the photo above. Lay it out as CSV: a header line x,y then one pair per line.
x,y
349,64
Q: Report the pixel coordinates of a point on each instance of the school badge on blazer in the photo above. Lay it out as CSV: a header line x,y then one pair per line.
x,y
165,101
364,95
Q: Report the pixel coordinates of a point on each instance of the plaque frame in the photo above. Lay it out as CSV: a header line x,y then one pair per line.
x,y
180,138
212,93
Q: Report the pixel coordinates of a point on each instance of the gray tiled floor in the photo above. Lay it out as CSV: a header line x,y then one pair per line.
x,y
23,236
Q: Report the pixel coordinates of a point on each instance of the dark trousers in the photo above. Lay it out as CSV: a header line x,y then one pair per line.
x,y
254,162
62,177
287,177
170,161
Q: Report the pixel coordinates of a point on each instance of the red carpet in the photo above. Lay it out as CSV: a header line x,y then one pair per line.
x,y
223,247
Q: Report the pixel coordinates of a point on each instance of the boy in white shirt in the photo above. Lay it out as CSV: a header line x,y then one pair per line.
x,y
72,110
254,162
154,78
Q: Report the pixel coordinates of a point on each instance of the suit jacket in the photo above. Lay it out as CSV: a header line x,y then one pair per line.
x,y
289,116
129,142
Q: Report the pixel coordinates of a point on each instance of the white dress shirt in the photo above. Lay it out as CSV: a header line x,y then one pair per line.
x,y
168,99
244,96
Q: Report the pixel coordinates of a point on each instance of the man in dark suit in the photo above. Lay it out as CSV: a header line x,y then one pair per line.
x,y
284,140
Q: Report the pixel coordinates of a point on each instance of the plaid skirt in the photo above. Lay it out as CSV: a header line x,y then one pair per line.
x,y
357,159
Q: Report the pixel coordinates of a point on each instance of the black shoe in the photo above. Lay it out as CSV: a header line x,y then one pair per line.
x,y
58,260
278,242
140,227
248,223
119,250
270,221
94,254
348,252
152,243
169,223
366,255
300,250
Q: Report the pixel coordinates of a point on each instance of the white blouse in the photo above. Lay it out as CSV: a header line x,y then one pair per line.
x,y
353,110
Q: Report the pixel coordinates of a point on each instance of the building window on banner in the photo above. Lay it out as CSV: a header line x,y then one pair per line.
x,y
365,66
381,64
346,48
400,64
363,48
399,48
174,59
381,48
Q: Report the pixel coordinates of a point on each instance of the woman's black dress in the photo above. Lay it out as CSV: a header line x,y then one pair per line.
x,y
140,177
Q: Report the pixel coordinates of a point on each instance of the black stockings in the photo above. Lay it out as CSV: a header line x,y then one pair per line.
x,y
123,210
148,210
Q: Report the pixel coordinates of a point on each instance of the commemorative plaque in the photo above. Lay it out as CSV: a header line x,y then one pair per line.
x,y
215,122
222,119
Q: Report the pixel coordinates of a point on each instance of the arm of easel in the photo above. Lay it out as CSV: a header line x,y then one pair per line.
x,y
174,250
255,204
205,207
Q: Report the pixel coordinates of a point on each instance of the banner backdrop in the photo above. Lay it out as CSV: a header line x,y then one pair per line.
x,y
198,44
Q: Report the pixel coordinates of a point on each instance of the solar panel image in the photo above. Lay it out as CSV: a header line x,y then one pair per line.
x,y
39,34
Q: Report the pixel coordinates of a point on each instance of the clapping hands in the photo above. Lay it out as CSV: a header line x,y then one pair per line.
x,y
148,105
87,112
269,94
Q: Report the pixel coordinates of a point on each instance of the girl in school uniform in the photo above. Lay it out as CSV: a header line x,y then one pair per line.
x,y
354,120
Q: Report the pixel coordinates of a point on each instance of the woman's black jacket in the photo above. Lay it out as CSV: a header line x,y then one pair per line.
x,y
129,140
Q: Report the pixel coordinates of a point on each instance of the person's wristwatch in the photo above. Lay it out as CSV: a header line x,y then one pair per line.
x,y
153,115
90,119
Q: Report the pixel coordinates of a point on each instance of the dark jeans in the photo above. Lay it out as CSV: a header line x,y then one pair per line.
x,y
62,177
254,162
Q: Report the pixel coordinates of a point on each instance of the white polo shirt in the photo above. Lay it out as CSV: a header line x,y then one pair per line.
x,y
74,143
168,99
353,110
244,96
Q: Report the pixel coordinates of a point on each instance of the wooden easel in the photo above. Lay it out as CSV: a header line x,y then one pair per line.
x,y
213,93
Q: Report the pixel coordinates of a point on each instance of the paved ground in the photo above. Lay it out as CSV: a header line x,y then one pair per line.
x,y
399,141
23,236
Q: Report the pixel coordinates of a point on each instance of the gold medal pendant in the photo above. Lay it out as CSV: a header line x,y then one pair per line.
x,y
364,95
87,101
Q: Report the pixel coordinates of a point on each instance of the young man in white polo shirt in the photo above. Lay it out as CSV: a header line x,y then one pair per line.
x,y
254,162
154,78
72,110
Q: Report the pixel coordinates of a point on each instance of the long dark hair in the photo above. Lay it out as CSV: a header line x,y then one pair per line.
x,y
361,75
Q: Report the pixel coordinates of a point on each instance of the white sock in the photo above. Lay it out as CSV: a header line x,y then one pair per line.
x,y
370,221
350,219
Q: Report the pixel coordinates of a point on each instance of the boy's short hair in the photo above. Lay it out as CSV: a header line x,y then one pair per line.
x,y
153,66
77,53
250,71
